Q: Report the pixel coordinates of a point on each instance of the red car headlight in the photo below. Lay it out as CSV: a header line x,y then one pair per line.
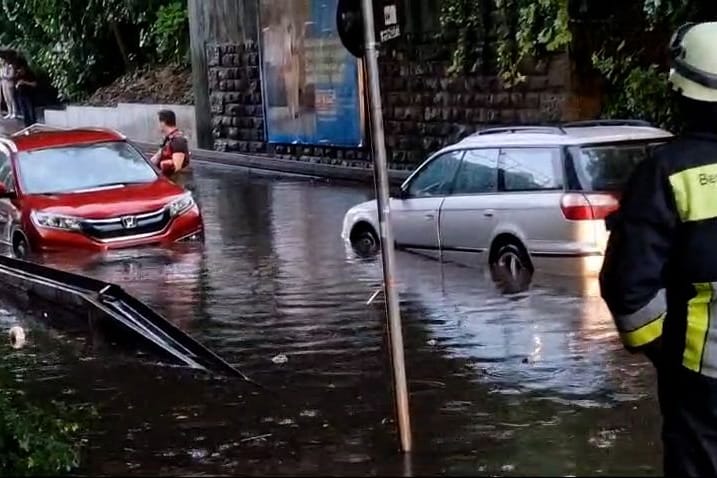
x,y
56,221
181,205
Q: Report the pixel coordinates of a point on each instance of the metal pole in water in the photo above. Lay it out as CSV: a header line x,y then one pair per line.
x,y
384,214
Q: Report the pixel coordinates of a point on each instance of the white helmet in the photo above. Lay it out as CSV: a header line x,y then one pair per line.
x,y
693,52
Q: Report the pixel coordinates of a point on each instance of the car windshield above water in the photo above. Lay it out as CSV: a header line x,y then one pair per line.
x,y
74,169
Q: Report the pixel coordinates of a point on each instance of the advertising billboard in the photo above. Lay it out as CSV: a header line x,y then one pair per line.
x,y
312,91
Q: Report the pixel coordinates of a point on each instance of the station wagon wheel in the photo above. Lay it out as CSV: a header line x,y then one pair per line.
x,y
364,241
509,259
511,267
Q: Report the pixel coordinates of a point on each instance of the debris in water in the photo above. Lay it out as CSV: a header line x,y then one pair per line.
x,y
309,413
507,468
17,337
258,437
198,453
287,421
604,439
280,359
431,342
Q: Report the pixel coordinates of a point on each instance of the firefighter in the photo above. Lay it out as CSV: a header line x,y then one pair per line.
x,y
659,278
173,155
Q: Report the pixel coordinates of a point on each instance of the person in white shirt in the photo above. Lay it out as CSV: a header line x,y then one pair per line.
x,y
7,87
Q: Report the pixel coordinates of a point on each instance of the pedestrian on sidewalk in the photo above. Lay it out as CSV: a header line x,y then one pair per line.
x,y
173,155
25,85
7,87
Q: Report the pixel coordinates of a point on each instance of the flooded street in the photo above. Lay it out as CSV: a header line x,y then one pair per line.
x,y
534,384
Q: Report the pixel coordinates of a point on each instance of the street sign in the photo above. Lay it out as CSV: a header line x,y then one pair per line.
x,y
388,18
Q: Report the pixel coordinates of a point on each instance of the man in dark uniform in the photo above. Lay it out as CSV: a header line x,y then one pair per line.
x,y
659,278
173,155
25,84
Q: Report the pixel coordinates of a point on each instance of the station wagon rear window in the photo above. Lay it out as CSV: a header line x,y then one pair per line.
x,y
83,168
607,167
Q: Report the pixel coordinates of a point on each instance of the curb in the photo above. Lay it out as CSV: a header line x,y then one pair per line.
x,y
287,166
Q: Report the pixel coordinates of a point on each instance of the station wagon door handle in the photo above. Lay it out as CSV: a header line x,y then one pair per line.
x,y
489,213
429,217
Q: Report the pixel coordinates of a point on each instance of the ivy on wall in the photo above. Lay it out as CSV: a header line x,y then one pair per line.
x,y
521,29
626,51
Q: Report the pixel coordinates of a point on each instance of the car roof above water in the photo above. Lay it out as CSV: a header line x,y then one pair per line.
x,y
40,138
561,136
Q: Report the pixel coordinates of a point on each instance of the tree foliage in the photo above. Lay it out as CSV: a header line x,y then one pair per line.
x,y
624,43
519,28
81,44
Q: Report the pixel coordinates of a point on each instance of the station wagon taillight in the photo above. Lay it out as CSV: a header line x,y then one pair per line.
x,y
588,207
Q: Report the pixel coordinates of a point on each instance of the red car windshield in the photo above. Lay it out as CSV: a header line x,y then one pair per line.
x,y
82,168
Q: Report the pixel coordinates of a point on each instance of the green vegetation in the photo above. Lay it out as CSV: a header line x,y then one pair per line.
x,y
521,29
624,44
83,44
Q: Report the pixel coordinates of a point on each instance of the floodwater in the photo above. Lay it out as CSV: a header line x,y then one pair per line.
x,y
531,384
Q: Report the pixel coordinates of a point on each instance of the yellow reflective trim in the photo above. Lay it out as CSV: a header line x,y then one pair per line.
x,y
698,321
695,190
644,335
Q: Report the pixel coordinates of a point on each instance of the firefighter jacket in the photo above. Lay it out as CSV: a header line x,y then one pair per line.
x,y
659,278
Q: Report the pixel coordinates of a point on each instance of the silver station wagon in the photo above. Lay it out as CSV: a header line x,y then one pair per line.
x,y
525,198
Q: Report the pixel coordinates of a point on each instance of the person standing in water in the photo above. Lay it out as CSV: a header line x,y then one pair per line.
x,y
173,155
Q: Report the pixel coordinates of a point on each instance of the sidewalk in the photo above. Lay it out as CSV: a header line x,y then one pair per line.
x,y
8,126
261,162
289,166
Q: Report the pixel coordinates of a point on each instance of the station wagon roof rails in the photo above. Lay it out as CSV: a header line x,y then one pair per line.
x,y
522,129
606,122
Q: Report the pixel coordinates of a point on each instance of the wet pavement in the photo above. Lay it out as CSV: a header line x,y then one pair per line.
x,y
530,384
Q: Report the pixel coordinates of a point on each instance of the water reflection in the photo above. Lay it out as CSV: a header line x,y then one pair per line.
x,y
532,383
169,279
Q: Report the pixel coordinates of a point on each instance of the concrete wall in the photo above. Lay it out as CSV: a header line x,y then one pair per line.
x,y
137,121
210,22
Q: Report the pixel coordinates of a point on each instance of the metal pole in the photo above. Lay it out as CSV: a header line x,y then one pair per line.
x,y
384,214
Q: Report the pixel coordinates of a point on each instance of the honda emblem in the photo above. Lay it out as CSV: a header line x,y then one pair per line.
x,y
129,222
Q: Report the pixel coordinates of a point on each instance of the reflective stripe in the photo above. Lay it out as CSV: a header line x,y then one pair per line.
x,y
694,190
630,323
644,335
698,322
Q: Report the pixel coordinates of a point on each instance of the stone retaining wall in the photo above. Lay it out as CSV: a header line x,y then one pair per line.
x,y
235,98
425,108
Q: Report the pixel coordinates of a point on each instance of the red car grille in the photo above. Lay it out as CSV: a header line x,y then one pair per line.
x,y
127,226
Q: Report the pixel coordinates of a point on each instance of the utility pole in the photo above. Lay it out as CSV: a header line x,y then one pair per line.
x,y
384,213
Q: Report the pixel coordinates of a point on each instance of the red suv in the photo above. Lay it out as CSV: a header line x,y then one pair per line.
x,y
87,189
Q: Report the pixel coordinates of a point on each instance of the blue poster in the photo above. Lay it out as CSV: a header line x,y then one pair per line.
x,y
311,82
